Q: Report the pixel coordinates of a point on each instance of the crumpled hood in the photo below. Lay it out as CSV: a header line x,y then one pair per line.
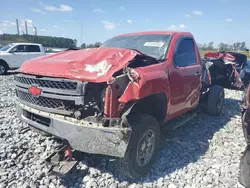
x,y
92,65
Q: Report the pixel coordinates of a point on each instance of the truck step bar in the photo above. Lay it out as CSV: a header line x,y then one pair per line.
x,y
61,161
177,122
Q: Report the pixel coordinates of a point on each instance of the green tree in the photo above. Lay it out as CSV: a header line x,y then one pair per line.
x,y
84,45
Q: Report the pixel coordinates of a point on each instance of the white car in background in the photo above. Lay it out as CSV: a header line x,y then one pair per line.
x,y
13,55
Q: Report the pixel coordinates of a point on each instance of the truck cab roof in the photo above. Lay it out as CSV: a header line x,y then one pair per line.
x,y
26,43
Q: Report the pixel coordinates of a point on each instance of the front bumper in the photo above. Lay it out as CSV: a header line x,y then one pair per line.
x,y
84,136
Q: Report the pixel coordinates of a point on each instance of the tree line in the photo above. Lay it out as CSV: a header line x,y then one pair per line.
x,y
46,41
95,45
210,46
224,46
61,42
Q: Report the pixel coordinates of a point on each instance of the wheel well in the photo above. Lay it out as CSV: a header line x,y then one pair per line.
x,y
4,62
154,105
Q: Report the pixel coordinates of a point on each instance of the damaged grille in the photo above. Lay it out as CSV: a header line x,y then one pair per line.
x,y
46,102
67,85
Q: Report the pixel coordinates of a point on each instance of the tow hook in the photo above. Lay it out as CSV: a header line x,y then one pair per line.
x,y
61,161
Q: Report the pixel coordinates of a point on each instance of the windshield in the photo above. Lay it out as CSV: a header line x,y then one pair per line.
x,y
5,48
152,45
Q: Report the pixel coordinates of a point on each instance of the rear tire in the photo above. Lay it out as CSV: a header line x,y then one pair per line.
x,y
143,147
3,68
215,100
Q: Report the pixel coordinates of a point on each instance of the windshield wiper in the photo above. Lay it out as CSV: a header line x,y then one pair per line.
x,y
161,60
157,60
138,51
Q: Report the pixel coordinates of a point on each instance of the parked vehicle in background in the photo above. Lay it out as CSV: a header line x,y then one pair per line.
x,y
245,74
113,99
222,66
13,55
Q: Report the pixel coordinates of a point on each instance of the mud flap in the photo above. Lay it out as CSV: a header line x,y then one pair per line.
x,y
61,161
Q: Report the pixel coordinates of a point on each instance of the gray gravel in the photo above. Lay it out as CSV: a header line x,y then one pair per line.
x,y
203,153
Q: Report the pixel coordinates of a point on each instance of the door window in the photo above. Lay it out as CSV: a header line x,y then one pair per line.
x,y
185,53
33,48
19,49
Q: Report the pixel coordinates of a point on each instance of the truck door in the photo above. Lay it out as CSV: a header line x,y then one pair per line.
x,y
19,55
33,51
185,76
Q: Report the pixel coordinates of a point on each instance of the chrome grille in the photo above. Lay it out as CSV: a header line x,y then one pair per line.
x,y
57,104
67,85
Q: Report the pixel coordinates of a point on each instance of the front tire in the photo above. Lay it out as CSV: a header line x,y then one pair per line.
x,y
143,147
215,100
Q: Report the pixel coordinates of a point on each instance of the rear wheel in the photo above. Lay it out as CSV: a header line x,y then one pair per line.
x,y
215,100
143,147
3,68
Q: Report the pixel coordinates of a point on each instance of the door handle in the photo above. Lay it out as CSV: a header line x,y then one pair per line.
x,y
197,74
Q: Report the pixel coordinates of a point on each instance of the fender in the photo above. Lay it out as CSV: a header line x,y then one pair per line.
x,y
152,80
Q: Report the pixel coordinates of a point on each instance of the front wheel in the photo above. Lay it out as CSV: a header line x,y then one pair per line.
x,y
143,147
3,69
215,100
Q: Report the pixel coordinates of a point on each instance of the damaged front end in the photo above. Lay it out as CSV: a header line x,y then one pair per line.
x,y
223,71
75,111
88,115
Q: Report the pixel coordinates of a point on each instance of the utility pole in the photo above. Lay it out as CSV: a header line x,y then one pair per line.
x,y
35,30
81,32
26,27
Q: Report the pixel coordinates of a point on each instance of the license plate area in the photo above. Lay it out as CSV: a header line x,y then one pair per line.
x,y
36,118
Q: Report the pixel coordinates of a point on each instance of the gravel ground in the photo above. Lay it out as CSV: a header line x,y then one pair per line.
x,y
203,153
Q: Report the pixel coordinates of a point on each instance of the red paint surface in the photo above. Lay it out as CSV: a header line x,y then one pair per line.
x,y
71,64
180,85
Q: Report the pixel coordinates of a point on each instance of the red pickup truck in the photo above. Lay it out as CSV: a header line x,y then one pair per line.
x,y
113,100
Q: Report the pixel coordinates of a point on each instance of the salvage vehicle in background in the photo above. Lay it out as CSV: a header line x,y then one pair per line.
x,y
223,69
13,55
113,99
245,74
230,65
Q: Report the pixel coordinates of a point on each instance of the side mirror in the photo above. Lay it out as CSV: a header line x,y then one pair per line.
x,y
12,51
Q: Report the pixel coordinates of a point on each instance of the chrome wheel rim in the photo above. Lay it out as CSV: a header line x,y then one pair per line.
x,y
145,148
